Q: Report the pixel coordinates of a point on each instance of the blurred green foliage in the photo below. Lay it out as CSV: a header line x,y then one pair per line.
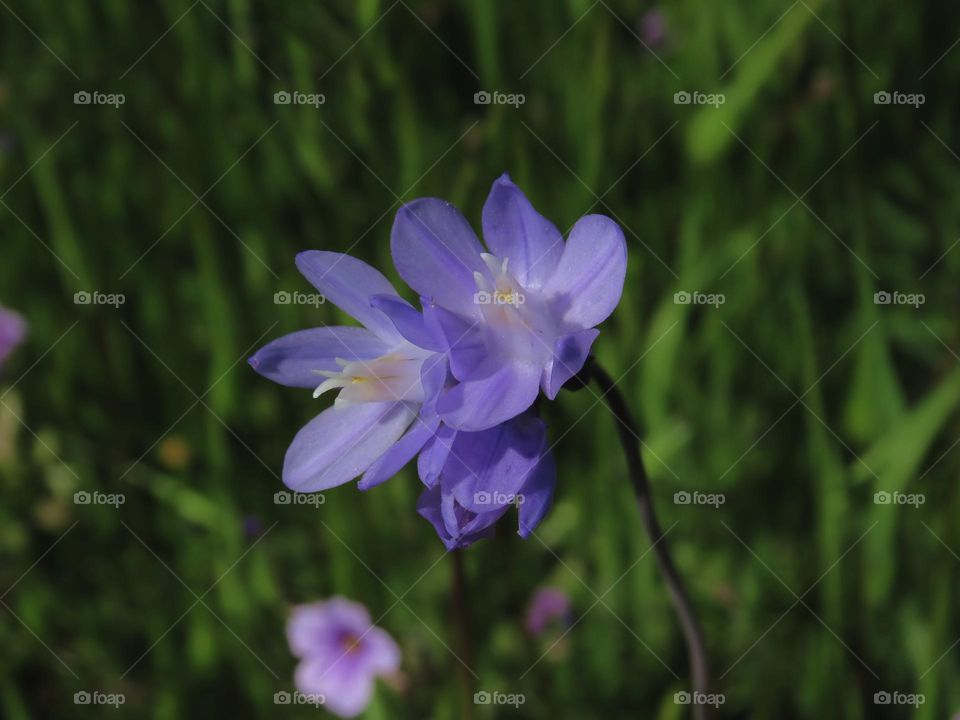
x,y
798,398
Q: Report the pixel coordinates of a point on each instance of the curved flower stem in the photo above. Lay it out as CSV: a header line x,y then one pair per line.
x,y
462,617
628,432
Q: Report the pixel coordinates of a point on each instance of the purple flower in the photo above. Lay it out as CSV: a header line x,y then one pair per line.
x,y
548,604
653,28
383,413
473,478
517,319
13,331
341,653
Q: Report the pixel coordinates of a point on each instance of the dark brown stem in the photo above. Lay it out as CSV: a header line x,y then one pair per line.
x,y
692,631
462,619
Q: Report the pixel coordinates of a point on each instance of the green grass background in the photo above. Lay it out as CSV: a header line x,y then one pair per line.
x,y
695,188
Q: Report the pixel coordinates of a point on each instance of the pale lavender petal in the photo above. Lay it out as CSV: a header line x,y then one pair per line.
x,y
588,282
346,688
569,355
465,339
537,494
436,252
488,401
341,443
408,322
434,455
402,452
348,283
513,230
381,653
293,359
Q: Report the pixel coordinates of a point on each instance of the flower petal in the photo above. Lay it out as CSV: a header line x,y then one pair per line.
x,y
345,686
381,653
513,229
293,359
569,354
341,443
488,401
402,452
348,283
407,321
464,339
312,627
486,470
537,494
436,253
434,455
588,281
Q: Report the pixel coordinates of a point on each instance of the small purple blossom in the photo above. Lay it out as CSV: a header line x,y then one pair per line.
x,y
341,653
519,318
13,331
548,605
653,28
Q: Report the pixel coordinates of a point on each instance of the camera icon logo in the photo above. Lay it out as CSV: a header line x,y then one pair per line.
x,y
282,97
82,98
482,297
481,498
681,298
282,298
482,98
882,498
282,497
881,298
81,698
882,98
481,698
681,698
82,298
282,697
681,498
882,698
81,497
681,98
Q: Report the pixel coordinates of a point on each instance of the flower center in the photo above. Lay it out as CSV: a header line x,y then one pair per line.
x,y
394,377
514,316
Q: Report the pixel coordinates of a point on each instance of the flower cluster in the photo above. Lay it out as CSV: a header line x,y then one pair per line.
x,y
453,383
